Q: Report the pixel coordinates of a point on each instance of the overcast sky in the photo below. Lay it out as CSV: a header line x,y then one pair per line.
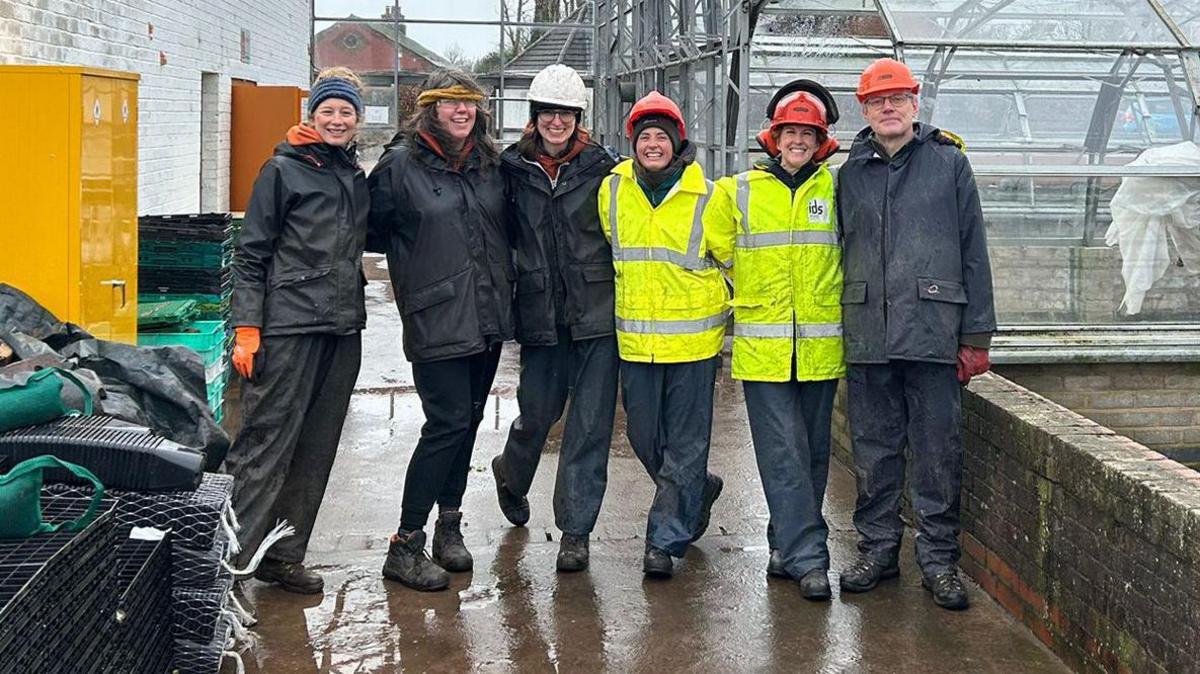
x,y
475,41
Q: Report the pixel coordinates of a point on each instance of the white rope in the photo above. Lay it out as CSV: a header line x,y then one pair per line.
x,y
245,617
233,520
241,666
281,531
230,534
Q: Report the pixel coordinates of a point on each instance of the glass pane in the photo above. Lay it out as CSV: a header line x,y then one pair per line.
x,y
1064,22
1186,14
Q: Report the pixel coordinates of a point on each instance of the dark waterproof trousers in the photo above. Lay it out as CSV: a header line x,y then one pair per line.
x,y
453,393
790,425
292,415
586,370
918,405
669,410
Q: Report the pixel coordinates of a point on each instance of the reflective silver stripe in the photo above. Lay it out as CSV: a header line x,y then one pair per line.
x,y
613,184
656,254
697,237
743,200
685,327
764,239
802,330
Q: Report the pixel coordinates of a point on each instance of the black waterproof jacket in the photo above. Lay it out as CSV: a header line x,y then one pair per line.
x,y
917,277
564,263
297,268
445,234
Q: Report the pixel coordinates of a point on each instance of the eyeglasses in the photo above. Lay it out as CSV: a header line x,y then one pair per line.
x,y
453,103
549,115
897,100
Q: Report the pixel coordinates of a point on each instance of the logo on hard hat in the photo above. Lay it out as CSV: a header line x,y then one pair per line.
x,y
885,76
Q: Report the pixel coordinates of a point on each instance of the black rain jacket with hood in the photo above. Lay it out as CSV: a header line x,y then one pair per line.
x,y
297,268
917,277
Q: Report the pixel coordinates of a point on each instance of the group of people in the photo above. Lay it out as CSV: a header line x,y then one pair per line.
x,y
607,272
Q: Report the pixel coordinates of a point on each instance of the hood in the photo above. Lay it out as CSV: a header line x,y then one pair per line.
x,y
305,144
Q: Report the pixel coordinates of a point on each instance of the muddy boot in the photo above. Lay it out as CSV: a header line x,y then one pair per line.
x,y
449,552
775,566
866,573
408,564
291,576
572,553
712,489
947,590
515,508
657,564
814,585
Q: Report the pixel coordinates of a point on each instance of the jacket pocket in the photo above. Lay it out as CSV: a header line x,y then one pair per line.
x,y
941,291
534,308
597,272
854,293
304,297
430,295
441,314
531,282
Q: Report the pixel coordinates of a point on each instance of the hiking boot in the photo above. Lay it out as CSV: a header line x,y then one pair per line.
x,y
515,508
572,553
291,576
408,564
712,489
947,590
865,573
657,564
449,551
775,566
814,585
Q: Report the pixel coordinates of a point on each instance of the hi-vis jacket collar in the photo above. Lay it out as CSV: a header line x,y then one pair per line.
x,y
691,180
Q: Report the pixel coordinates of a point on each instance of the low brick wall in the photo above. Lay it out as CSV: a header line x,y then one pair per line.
x,y
1087,537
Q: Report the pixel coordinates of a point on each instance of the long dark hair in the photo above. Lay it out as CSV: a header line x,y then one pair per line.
x,y
424,119
530,144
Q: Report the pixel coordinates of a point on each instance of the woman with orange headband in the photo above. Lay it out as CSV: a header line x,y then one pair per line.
x,y
438,210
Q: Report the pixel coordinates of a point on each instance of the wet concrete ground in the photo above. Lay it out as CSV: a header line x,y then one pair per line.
x,y
515,613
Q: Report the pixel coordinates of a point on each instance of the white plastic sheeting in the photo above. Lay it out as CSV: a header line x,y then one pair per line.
x,y
1146,212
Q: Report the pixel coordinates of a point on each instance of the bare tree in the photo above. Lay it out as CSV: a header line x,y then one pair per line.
x,y
457,57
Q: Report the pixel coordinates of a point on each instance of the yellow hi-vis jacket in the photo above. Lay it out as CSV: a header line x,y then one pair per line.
x,y
787,275
670,295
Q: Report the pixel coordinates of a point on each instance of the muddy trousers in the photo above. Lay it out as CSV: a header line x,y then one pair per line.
x,y
669,411
292,417
586,371
790,426
918,405
453,394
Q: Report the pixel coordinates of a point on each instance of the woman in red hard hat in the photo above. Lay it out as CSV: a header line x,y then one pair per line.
x,y
670,321
778,218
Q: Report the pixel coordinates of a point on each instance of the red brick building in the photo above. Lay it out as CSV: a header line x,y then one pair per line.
x,y
370,50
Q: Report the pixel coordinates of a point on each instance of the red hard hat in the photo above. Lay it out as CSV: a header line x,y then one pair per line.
x,y
799,107
655,103
885,75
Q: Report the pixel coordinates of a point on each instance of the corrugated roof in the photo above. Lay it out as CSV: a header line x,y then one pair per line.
x,y
569,46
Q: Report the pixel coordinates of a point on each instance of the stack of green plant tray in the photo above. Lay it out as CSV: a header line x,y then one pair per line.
x,y
164,314
210,341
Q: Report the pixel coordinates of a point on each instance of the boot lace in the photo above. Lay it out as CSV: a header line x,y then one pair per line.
x,y
946,583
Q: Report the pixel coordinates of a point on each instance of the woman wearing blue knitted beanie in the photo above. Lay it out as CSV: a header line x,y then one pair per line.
x,y
298,309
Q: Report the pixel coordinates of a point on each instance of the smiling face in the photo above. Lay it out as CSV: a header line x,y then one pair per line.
x,y
336,120
457,118
556,128
797,144
891,113
653,148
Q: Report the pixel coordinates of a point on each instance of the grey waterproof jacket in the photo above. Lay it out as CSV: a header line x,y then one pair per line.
x,y
297,268
917,277
445,233
564,263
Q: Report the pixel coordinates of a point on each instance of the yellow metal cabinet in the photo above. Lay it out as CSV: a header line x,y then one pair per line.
x,y
68,216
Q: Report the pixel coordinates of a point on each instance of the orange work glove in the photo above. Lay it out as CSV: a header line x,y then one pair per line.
x,y
972,361
246,342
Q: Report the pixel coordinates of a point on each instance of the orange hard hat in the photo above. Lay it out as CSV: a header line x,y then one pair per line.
x,y
799,107
885,75
655,103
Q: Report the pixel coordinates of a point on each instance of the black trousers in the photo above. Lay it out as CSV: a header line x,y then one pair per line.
x,y
292,422
918,405
453,393
587,371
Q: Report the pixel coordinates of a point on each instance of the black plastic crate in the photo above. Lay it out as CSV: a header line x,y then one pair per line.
x,y
139,635
202,657
200,568
199,612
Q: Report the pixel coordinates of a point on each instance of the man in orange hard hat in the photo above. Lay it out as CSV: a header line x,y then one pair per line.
x,y
918,318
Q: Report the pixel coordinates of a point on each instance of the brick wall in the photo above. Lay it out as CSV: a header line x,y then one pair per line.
x,y
169,43
1087,537
1157,404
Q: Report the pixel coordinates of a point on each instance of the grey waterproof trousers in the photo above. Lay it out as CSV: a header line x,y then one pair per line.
x,y
586,371
292,415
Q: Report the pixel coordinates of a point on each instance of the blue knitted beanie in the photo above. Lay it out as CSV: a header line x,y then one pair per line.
x,y
334,87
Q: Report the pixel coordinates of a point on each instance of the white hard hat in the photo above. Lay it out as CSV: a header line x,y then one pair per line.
x,y
558,84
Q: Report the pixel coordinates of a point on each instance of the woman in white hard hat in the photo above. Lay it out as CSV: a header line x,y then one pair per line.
x,y
564,312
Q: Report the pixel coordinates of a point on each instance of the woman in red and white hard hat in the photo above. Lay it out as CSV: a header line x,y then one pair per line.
x,y
779,220
670,321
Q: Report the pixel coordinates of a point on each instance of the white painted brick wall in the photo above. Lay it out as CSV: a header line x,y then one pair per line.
x,y
194,36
